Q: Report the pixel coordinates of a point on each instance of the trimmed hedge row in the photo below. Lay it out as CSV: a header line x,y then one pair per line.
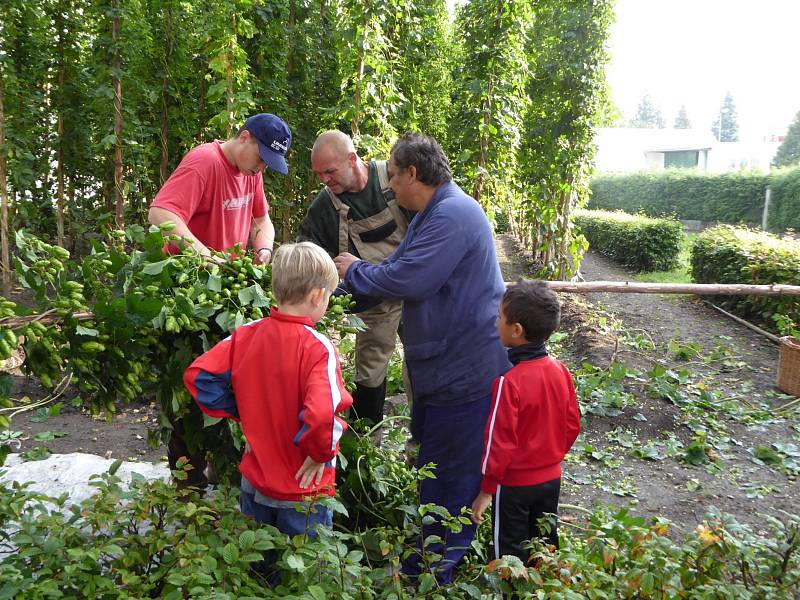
x,y
727,198
637,242
784,211
739,255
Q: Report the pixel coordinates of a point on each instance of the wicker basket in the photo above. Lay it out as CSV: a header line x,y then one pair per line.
x,y
789,366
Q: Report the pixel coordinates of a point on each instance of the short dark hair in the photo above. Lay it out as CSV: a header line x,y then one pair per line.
x,y
534,306
424,153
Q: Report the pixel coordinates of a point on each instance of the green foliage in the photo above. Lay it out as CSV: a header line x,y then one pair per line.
x,y
784,211
738,255
132,320
490,98
789,151
569,96
728,197
637,242
648,115
151,541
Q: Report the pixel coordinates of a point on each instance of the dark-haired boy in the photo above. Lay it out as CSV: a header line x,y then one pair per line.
x,y
533,423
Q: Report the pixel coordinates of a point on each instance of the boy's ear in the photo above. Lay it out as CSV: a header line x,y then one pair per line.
x,y
517,331
316,296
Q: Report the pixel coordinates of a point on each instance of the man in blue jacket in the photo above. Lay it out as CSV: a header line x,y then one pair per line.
x,y
446,273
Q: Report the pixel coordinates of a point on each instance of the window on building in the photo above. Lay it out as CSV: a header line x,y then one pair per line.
x,y
684,159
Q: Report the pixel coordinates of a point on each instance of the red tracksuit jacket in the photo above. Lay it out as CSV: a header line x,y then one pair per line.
x,y
282,380
533,422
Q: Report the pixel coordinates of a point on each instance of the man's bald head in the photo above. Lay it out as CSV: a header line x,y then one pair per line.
x,y
334,142
334,159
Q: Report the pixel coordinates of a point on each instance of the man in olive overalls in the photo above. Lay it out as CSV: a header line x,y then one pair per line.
x,y
356,212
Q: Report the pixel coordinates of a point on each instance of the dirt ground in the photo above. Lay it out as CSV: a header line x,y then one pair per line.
x,y
600,468
599,329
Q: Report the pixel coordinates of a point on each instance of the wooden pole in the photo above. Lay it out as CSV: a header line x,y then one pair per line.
x,y
116,68
700,289
5,255
770,336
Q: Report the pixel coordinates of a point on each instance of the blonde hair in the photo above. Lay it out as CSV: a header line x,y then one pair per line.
x,y
298,269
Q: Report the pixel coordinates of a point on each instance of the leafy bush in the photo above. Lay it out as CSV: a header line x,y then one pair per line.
x,y
784,211
154,541
636,242
739,255
146,316
728,197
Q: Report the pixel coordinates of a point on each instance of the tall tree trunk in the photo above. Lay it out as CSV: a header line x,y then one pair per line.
x,y
164,92
116,63
564,216
60,126
229,76
483,148
6,256
201,102
290,57
354,125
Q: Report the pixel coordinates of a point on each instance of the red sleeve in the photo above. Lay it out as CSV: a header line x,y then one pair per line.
x,y
573,420
182,193
324,395
208,380
260,205
500,436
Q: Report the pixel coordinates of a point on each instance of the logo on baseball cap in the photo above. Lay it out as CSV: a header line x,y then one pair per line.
x,y
274,139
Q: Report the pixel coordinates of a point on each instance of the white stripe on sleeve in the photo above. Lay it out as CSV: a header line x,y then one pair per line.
x,y
491,424
497,523
336,396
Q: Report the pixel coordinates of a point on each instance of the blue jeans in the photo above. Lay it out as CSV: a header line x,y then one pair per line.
x,y
288,521
452,438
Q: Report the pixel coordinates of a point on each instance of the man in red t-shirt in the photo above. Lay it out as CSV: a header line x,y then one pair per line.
x,y
216,195
216,199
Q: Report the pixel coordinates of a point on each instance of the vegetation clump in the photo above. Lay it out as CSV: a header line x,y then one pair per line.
x,y
637,242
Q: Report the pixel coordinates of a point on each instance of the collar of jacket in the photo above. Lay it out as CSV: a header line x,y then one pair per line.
x,y
518,354
435,199
274,313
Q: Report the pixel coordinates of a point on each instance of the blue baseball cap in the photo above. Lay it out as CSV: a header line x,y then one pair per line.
x,y
274,139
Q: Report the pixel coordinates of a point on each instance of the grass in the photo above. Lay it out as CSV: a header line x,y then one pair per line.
x,y
680,274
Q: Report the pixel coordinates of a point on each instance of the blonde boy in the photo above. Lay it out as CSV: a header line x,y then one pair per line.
x,y
282,380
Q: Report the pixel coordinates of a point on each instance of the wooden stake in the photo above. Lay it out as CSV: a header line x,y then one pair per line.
x,y
700,289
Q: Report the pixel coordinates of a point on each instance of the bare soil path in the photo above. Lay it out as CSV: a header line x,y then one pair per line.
x,y
715,405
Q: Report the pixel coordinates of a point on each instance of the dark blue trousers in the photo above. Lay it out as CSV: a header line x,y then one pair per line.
x,y
452,438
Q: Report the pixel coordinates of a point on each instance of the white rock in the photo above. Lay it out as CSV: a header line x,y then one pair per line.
x,y
70,473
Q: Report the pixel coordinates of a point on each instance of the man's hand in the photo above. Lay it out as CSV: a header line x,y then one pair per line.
x,y
343,262
263,256
479,506
310,471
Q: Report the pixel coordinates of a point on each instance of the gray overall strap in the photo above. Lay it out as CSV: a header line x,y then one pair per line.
x,y
383,178
343,210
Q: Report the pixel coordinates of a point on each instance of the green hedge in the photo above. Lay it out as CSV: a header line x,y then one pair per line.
x,y
784,211
739,255
728,197
637,242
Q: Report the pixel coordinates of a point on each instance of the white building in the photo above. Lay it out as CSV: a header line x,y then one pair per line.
x,y
628,149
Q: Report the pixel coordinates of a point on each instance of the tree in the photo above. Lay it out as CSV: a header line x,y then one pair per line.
x,y
729,131
789,151
682,120
648,116
568,97
489,98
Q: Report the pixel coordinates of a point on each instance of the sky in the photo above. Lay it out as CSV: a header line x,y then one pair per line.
x,y
692,52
